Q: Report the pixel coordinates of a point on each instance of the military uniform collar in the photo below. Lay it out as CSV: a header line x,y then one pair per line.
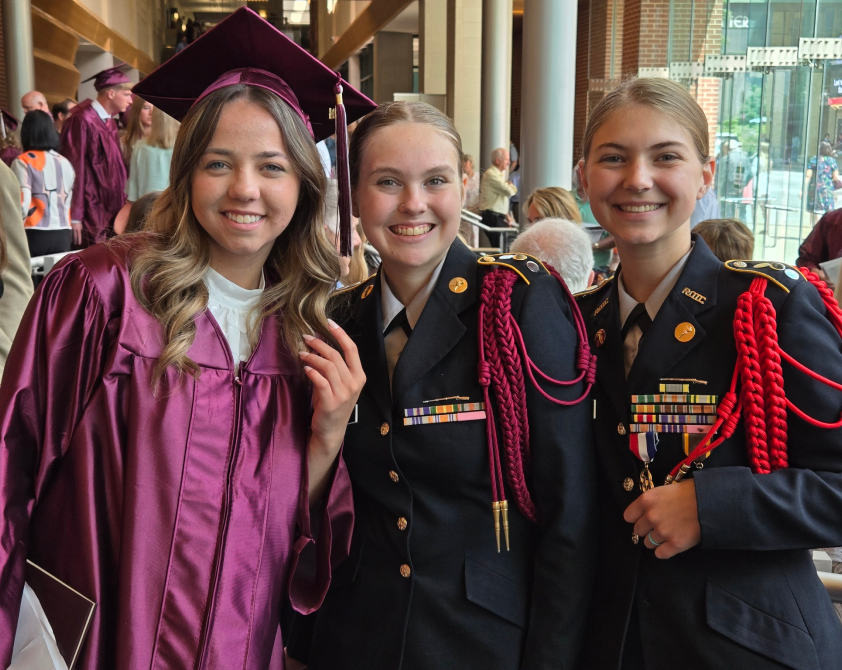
x,y
659,295
391,306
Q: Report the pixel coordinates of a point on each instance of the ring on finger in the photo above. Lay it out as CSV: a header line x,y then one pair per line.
x,y
656,544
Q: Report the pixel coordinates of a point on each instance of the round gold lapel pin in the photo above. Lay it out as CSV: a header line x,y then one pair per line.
x,y
458,285
684,332
599,338
367,291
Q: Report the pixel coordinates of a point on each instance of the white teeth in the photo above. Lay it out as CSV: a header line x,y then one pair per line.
x,y
416,230
639,208
239,218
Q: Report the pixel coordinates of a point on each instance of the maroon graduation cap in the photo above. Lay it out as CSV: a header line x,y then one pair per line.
x,y
246,49
7,122
112,76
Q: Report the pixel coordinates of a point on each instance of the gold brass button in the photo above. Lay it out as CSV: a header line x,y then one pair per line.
x,y
684,332
621,429
520,257
628,483
635,539
599,338
405,570
367,291
458,285
394,476
384,429
402,523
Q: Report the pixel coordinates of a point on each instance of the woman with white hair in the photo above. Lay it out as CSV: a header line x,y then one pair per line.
x,y
564,245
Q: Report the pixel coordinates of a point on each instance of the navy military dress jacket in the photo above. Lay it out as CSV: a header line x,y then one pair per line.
x,y
425,587
748,596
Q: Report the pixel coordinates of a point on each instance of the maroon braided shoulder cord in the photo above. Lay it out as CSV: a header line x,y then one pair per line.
x,y
502,354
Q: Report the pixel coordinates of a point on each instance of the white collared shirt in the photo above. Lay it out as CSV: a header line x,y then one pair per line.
x,y
391,307
231,306
99,109
653,305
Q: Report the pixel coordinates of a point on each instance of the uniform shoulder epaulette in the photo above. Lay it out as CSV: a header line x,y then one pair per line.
x,y
524,265
348,294
782,275
595,288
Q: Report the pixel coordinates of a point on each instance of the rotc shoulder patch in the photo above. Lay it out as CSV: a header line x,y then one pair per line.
x,y
526,266
782,275
593,289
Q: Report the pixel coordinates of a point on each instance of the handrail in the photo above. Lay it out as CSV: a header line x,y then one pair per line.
x,y
45,263
833,583
475,220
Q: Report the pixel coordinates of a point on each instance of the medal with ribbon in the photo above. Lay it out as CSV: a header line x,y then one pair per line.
x,y
644,446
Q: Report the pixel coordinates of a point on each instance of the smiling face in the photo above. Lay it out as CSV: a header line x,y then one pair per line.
x,y
244,189
409,195
643,176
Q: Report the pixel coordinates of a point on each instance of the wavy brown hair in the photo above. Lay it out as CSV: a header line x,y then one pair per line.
x,y
302,267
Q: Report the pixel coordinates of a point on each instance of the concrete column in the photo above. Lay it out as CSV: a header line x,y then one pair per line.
x,y
392,65
354,71
497,77
89,62
432,38
20,64
464,70
547,94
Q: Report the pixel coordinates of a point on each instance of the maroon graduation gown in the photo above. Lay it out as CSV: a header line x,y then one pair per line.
x,y
9,154
93,148
185,517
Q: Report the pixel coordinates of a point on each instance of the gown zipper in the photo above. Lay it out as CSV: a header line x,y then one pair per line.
x,y
220,545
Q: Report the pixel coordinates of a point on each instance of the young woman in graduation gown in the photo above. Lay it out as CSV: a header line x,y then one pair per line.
x,y
427,586
712,570
179,468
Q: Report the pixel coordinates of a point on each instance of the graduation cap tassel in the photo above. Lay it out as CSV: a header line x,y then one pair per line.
x,y
343,175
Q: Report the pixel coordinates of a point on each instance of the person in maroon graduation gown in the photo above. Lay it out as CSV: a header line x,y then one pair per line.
x,y
157,454
9,146
90,142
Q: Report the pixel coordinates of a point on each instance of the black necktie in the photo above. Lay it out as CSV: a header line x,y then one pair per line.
x,y
638,316
400,321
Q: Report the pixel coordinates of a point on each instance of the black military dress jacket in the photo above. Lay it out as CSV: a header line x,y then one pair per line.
x,y
425,587
748,596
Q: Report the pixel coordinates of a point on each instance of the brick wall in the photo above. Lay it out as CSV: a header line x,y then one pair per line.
x,y
517,59
4,83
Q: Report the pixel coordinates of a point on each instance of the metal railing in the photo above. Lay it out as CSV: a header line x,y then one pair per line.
x,y
506,233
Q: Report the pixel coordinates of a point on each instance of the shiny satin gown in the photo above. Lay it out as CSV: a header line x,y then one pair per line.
x,y
99,192
186,517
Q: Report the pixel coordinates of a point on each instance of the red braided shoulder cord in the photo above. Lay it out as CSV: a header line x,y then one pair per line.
x,y
761,396
501,355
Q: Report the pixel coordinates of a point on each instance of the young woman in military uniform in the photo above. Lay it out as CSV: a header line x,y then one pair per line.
x,y
706,383
430,584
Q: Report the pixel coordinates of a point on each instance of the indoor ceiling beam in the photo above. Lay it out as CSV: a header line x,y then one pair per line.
x,y
373,18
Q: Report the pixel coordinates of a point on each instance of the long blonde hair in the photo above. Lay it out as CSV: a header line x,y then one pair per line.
x,y
166,274
664,95
164,130
134,129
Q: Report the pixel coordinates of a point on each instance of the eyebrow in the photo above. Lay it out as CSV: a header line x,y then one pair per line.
x,y
262,154
394,170
659,145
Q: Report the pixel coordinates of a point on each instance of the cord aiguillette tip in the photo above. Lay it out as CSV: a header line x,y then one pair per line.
x,y
495,506
504,506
